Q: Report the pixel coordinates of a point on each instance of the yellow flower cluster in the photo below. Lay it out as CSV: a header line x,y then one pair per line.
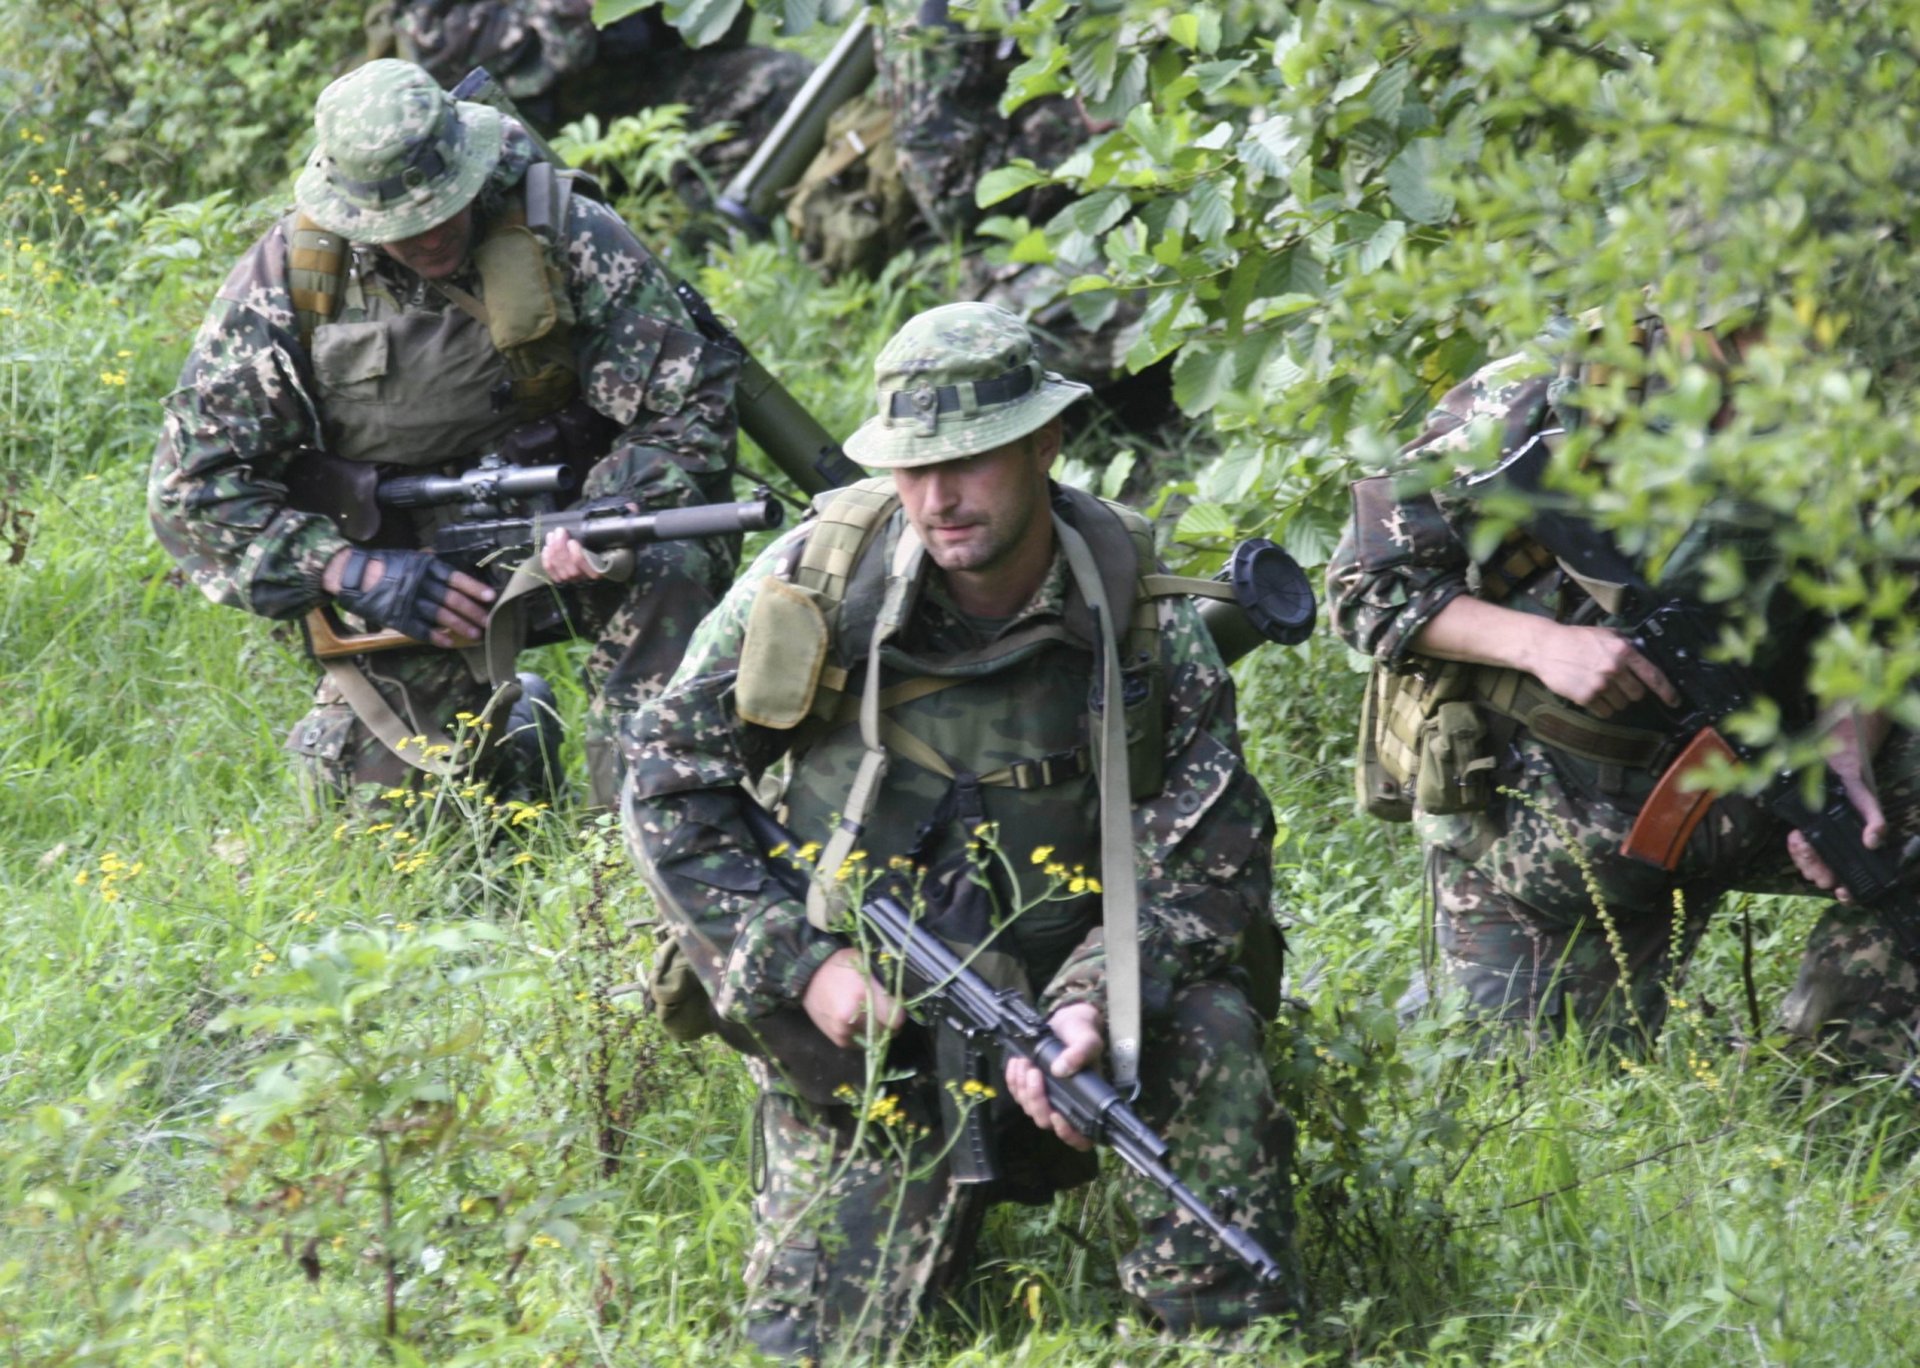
x,y
113,379
28,135
113,872
886,1110
305,918
974,1088
520,813
1076,879
264,958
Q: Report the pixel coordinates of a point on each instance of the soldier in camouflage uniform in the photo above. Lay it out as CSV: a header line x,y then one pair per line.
x,y
1538,910
985,688
406,188
559,68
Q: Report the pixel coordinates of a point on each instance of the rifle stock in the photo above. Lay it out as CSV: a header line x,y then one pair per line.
x,y
328,638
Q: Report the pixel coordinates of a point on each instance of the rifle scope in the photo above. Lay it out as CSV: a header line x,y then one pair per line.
x,y
491,482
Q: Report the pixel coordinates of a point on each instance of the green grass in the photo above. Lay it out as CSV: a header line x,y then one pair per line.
x,y
264,1098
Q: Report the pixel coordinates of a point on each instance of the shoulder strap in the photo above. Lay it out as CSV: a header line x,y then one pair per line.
x,y
846,522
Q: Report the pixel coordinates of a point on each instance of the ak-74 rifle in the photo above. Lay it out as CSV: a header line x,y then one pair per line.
x,y
505,517
1682,638
1002,1020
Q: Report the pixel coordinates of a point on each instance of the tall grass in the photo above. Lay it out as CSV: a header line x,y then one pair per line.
x,y
278,1088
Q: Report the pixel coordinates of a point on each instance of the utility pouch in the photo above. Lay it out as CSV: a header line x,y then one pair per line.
x,y
1456,761
781,657
1380,790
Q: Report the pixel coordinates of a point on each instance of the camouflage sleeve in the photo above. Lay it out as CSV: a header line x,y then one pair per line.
x,y
1204,844
749,942
528,45
643,362
241,416
1403,556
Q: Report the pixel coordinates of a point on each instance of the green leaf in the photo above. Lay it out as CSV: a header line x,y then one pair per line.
x,y
1410,176
1153,135
1129,89
1093,66
1213,77
1082,284
1099,212
607,12
1197,30
1377,248
1204,522
1007,181
702,21
1271,146
1212,211
1201,374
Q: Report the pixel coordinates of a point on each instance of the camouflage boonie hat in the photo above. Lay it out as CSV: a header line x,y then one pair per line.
x,y
397,155
954,381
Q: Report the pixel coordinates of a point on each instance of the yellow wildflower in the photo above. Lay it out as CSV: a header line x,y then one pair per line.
x,y
1042,854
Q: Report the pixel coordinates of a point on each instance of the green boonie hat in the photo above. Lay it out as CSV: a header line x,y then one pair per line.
x,y
397,155
954,381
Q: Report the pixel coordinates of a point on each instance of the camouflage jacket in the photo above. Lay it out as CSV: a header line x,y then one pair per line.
x,y
1405,553
943,86
528,45
247,407
1203,842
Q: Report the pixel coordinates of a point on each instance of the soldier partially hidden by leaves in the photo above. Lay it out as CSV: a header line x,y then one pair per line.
x,y
559,68
440,294
1532,733
973,587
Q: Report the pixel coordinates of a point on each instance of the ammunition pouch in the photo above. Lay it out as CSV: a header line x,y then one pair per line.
x,y
1422,738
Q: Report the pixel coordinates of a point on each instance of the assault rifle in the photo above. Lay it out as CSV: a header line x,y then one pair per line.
x,y
1002,1019
1682,638
502,521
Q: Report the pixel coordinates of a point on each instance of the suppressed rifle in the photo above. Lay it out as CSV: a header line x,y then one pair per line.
x,y
501,522
1682,638
1001,1019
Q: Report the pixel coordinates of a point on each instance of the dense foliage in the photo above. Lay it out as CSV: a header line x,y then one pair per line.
x,y
278,1087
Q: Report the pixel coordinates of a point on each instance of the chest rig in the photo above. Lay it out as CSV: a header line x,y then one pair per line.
x,y
983,732
402,383
413,385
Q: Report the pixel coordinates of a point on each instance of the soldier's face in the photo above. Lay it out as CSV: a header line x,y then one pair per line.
x,y
981,512
438,252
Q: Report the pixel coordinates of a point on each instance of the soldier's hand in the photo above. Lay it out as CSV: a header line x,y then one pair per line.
x,y
1856,737
565,560
1595,667
414,592
846,1003
1078,1026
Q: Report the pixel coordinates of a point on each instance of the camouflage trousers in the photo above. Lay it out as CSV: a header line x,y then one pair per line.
x,y
640,628
1539,915
858,1222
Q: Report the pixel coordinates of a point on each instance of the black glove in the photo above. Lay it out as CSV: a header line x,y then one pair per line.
x,y
412,590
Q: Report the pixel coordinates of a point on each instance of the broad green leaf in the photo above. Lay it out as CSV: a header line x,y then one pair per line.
x,y
607,12
1204,522
1201,375
1375,251
1129,89
1212,210
1154,135
1213,77
1005,182
702,21
1084,283
1271,146
1410,183
1093,66
1099,212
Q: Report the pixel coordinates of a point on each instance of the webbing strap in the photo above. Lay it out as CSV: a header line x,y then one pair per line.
x,y
1120,906
427,749
1551,719
1167,586
821,893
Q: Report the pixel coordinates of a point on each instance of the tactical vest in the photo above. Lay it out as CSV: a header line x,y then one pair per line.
x,y
416,386
1005,723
